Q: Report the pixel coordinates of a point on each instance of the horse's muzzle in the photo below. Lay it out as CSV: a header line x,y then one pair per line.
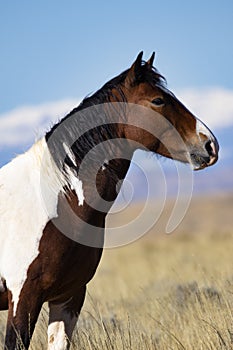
x,y
207,156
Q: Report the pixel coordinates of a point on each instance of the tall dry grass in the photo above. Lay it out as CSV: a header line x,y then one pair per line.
x,y
163,291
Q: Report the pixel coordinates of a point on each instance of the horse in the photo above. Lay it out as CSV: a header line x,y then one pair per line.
x,y
55,196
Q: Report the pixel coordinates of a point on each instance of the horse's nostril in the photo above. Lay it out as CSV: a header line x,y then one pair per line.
x,y
208,147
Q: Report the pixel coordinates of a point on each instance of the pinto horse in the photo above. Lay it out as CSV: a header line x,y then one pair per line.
x,y
52,214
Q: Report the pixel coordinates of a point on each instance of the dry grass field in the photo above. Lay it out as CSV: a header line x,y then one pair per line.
x,y
163,291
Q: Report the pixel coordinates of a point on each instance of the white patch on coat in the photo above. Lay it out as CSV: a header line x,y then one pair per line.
x,y
105,164
69,153
29,188
57,339
76,185
61,326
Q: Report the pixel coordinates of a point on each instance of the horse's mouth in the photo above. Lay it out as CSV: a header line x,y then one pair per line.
x,y
200,162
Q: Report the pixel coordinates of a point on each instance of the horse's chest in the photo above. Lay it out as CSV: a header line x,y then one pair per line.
x,y
63,266
81,267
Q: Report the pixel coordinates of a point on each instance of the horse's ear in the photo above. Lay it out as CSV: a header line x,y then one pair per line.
x,y
134,72
151,60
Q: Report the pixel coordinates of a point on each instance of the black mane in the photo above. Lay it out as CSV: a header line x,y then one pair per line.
x,y
68,130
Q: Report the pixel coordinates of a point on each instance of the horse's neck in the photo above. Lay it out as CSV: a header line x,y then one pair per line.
x,y
98,160
109,180
99,193
103,186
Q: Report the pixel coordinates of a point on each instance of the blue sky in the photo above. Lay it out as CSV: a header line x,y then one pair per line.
x,y
53,53
51,50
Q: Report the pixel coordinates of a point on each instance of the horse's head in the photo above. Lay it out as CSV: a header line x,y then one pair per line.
x,y
166,126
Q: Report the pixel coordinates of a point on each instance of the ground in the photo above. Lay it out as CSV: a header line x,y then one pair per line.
x,y
162,291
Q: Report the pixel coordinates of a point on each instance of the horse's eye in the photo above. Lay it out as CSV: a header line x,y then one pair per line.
x,y
158,101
